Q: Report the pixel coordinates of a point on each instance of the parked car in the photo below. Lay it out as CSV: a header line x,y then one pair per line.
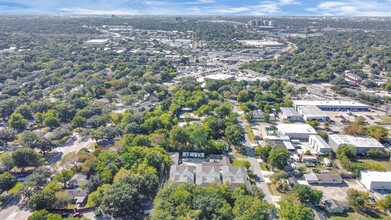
x,y
77,214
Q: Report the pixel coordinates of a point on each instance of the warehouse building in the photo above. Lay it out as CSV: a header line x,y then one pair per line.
x,y
296,131
290,114
362,144
319,145
312,113
315,178
334,105
376,180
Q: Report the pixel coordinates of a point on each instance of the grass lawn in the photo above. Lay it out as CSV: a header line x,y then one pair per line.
x,y
14,191
234,153
241,163
250,133
386,119
386,164
273,190
356,216
263,166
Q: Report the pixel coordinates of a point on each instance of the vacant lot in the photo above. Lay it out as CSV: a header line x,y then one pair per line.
x,y
338,192
386,164
356,216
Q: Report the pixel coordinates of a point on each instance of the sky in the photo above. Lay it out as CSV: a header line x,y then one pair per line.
x,y
200,7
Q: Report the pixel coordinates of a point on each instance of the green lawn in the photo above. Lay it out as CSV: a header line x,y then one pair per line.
x,y
250,133
386,164
356,216
386,119
263,166
241,163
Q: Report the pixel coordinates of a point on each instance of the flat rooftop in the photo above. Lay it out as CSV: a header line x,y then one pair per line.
x,y
220,76
356,141
319,140
312,111
329,103
296,128
289,111
377,176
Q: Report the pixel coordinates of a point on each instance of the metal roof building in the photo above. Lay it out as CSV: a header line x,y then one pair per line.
x,y
362,144
333,105
312,113
296,131
319,145
376,180
290,114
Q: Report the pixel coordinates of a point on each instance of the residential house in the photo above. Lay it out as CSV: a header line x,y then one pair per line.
x,y
334,206
77,181
323,178
205,175
235,175
182,174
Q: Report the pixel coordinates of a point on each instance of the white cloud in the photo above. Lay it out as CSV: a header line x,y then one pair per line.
x,y
353,8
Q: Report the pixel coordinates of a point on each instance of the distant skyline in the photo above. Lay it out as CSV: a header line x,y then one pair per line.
x,y
200,7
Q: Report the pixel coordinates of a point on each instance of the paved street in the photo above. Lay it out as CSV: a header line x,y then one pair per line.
x,y
255,163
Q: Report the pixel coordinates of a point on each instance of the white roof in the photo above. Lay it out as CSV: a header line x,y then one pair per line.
x,y
319,141
312,111
289,111
296,129
97,41
377,176
358,142
329,103
220,76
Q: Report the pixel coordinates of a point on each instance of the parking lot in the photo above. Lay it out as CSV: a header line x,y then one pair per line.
x,y
340,117
338,192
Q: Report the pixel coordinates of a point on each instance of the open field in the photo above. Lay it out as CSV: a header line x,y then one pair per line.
x,y
386,164
386,120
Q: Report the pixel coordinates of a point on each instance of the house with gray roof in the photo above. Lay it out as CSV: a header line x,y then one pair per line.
x,y
182,174
235,175
205,175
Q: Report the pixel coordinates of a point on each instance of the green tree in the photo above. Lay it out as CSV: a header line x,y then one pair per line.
x,y
375,153
7,135
7,160
377,132
263,152
42,200
7,181
345,150
24,157
291,209
179,137
79,121
357,200
45,145
278,157
307,195
63,177
234,134
314,124
51,122
39,215
28,139
17,121
125,197
278,176
385,203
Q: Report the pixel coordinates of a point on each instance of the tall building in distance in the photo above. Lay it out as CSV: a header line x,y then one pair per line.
x,y
261,23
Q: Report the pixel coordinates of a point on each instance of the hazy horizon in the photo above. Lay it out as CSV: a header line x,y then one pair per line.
x,y
200,7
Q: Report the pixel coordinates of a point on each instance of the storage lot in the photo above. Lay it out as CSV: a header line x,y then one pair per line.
x,y
338,192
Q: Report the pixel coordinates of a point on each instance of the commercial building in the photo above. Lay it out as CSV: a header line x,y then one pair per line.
x,y
290,114
319,145
376,180
97,42
312,113
333,105
313,178
220,76
296,131
362,144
